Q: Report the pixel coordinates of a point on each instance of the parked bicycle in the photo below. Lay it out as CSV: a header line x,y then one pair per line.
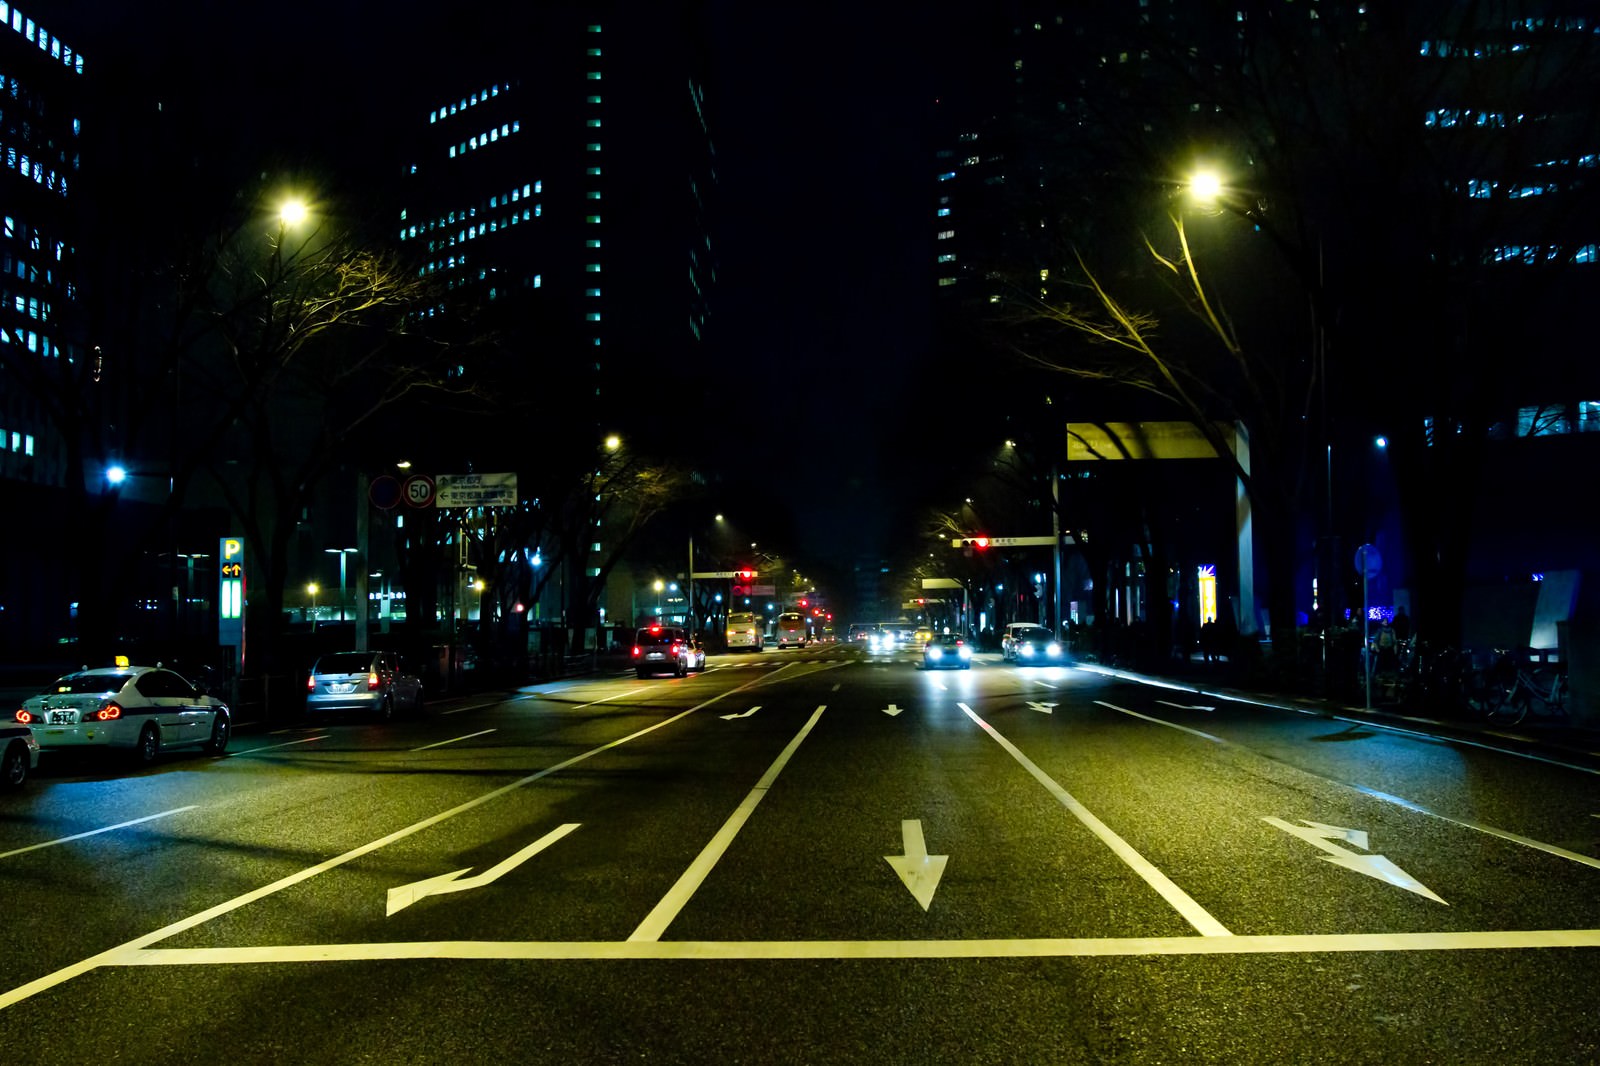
x,y
1542,688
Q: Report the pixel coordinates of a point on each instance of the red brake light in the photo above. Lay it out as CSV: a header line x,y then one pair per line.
x,y
373,682
23,716
109,712
637,651
311,682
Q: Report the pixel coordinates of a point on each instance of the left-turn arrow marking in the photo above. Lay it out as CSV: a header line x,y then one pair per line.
x,y
741,714
405,895
1047,708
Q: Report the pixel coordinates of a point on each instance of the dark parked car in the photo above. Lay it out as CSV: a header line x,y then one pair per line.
x,y
375,683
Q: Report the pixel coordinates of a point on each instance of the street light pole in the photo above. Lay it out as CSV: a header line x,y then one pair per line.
x,y
691,586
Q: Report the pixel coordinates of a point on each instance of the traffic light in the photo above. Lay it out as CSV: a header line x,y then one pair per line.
x,y
980,543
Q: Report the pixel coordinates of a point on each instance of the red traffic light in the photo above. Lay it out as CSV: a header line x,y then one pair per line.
x,y
980,542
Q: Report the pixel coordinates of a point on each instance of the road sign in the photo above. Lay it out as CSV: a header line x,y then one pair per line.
x,y
1001,542
384,492
1369,563
940,583
418,491
477,490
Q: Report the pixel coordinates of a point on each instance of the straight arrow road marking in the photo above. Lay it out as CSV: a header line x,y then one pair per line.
x,y
404,896
892,710
741,714
919,871
1042,707
1323,836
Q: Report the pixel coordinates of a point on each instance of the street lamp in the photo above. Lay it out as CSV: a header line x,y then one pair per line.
x,y
313,588
343,554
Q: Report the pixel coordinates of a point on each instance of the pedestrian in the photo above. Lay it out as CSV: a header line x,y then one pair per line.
x,y
1401,624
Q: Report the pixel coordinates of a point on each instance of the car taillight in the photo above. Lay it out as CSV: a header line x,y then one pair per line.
x,y
637,651
107,713
373,682
23,716
311,682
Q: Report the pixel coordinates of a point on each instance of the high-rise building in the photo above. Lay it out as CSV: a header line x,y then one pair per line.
x,y
568,172
41,102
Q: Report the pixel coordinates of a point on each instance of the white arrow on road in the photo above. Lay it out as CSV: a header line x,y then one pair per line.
x,y
1323,837
917,869
892,710
741,714
404,896
1187,706
1045,707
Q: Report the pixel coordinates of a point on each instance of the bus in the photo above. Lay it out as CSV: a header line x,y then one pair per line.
x,y
744,631
792,630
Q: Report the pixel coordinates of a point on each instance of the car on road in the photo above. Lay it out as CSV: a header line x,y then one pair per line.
x,y
142,709
744,631
666,650
1031,645
374,683
923,635
947,652
19,755
861,633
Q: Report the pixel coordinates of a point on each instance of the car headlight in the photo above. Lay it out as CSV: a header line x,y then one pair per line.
x,y
1054,649
964,651
1026,649
935,653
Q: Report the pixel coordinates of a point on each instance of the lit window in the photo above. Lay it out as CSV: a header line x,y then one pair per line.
x,y
947,281
594,123
593,75
592,194
593,172
591,243
592,219
594,51
592,268
948,257
591,147
946,234
594,99
592,316
591,292
943,212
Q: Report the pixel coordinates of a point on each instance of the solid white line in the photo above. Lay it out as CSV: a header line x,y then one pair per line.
x,y
1086,947
1180,900
1398,801
656,922
96,832
83,966
453,740
271,747
1162,721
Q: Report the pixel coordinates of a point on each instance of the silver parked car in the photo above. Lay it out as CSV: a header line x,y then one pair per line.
x,y
374,683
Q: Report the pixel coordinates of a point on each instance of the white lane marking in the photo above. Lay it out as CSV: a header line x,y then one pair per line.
x,y
1084,947
919,871
83,966
1042,708
1187,706
1398,801
1370,723
403,896
274,747
454,740
1322,836
661,916
893,709
740,714
1503,834
97,832
1180,900
837,686
1160,721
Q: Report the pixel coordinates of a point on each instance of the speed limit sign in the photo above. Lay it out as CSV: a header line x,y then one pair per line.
x,y
418,490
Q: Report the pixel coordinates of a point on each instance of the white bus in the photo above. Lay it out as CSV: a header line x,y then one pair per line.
x,y
792,630
744,631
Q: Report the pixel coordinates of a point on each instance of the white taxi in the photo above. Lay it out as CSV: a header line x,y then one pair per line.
x,y
144,709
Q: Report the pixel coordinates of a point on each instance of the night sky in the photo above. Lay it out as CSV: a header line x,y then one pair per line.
x,y
826,169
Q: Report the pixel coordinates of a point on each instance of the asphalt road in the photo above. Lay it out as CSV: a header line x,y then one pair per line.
x,y
810,856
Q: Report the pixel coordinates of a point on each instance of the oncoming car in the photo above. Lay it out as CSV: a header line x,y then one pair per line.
x,y
947,650
142,709
1032,645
